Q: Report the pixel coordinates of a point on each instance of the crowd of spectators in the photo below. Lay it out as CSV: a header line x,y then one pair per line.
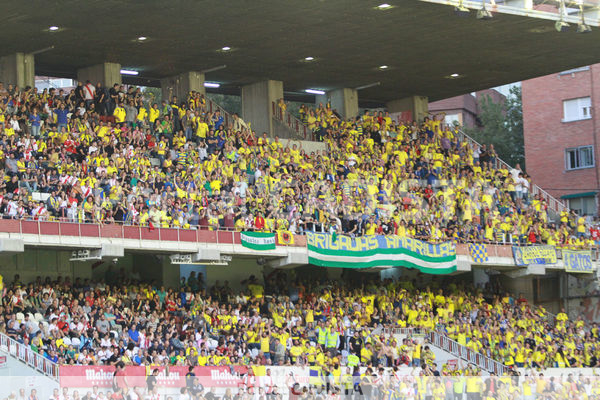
x,y
285,320
371,384
115,156
376,385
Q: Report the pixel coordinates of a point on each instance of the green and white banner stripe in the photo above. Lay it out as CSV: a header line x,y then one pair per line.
x,y
258,240
381,251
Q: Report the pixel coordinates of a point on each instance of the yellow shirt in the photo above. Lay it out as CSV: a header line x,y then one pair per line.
x,y
119,114
153,115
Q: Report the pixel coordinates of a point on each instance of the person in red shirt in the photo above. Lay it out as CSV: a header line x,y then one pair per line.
x,y
259,222
119,378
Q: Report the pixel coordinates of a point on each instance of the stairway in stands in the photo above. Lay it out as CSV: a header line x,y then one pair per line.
x,y
22,368
447,350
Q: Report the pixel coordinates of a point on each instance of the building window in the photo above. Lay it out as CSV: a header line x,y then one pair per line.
x,y
579,157
452,119
577,109
584,205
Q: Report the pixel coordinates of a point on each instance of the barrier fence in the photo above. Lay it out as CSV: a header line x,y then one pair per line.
x,y
201,234
25,354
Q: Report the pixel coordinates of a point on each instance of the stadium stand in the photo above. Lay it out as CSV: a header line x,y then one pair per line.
x,y
284,322
121,158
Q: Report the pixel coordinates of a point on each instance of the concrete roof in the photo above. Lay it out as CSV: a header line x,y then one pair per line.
x,y
422,43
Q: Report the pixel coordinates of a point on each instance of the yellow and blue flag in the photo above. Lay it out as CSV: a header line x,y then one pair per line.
x,y
478,252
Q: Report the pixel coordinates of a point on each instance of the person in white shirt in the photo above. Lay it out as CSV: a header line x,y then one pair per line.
x,y
238,123
11,209
184,394
89,91
516,171
267,382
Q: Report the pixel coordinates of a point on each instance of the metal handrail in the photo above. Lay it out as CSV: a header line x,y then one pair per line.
x,y
26,355
553,203
480,360
445,343
292,122
212,106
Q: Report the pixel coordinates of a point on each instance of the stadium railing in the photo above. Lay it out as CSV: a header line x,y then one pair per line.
x,y
554,204
28,356
212,107
121,231
445,343
480,360
292,122
200,234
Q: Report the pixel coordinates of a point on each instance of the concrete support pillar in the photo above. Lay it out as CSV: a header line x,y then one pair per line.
x,y
181,85
106,73
258,103
417,106
18,69
344,101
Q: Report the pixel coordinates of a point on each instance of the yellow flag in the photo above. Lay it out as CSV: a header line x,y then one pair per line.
x,y
285,238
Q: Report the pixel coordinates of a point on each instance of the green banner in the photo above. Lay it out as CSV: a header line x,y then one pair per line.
x,y
258,240
380,251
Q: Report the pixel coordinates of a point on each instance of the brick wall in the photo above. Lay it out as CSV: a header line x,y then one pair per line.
x,y
547,137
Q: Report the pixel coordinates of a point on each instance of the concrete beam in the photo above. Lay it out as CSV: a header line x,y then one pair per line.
x,y
207,255
529,270
202,256
292,260
106,73
463,266
18,69
11,246
180,85
112,251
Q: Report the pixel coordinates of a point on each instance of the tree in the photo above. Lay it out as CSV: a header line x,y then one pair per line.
x,y
152,95
230,103
502,126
